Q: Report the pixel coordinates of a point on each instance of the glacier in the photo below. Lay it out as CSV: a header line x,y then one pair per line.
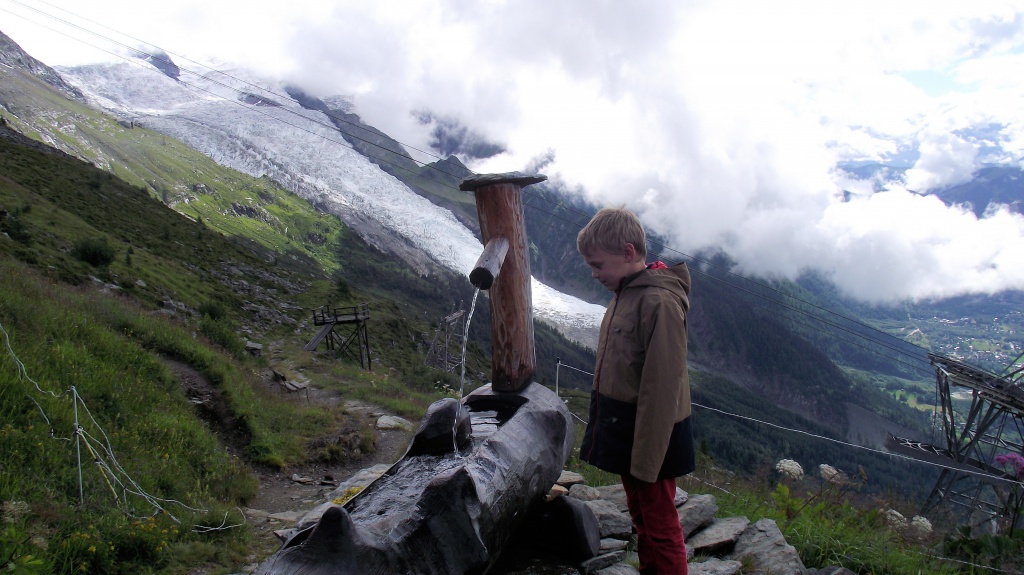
x,y
302,150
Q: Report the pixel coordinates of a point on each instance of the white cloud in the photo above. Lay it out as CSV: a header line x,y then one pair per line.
x,y
946,160
721,122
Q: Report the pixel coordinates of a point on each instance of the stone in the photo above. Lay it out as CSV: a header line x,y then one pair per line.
x,y
255,513
609,544
681,496
284,535
584,492
565,527
614,523
570,478
618,569
764,544
602,561
286,516
715,566
698,511
616,494
831,571
390,422
719,537
555,492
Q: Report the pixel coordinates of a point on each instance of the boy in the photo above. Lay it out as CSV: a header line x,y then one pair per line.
x,y
640,403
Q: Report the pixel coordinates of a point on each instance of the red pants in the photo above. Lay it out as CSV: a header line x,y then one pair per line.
x,y
660,544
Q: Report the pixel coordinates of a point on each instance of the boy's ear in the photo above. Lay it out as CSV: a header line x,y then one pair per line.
x,y
630,253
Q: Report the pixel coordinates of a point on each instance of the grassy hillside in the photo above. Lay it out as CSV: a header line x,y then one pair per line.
x,y
104,289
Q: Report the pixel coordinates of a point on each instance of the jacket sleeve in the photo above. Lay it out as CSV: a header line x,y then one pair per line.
x,y
662,398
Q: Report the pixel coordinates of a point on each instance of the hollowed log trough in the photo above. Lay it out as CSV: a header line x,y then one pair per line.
x,y
475,469
441,510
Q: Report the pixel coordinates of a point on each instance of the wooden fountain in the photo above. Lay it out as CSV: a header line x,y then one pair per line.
x,y
476,467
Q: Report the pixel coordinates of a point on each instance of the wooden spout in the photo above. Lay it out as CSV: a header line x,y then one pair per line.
x,y
489,264
499,205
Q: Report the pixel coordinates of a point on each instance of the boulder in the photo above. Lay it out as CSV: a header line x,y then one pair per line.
x,y
698,511
603,561
570,478
715,566
613,522
767,550
719,537
584,492
564,527
615,494
618,569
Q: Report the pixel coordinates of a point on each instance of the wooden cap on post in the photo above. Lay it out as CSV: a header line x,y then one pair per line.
x,y
499,205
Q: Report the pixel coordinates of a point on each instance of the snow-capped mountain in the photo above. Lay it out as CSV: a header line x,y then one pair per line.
x,y
252,128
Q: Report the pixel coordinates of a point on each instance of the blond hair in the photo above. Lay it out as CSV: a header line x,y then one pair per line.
x,y
610,230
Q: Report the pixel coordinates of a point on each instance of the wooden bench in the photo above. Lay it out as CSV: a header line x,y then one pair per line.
x,y
292,386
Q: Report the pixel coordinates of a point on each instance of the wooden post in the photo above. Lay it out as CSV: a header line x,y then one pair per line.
x,y
499,205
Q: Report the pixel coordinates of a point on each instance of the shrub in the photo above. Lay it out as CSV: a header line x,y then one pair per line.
x,y
96,252
15,228
222,333
215,310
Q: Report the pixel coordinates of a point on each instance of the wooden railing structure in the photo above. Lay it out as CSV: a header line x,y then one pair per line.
x,y
330,318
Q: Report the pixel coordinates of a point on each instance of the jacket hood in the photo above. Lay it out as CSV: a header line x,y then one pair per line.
x,y
675,279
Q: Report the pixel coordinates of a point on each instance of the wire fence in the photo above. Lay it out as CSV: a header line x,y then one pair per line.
x,y
92,442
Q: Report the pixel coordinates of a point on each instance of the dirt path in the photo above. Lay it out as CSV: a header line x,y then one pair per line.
x,y
285,495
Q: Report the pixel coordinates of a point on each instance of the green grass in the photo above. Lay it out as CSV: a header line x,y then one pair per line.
x,y
129,406
836,525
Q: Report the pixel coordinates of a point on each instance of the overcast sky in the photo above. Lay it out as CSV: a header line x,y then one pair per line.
x,y
721,122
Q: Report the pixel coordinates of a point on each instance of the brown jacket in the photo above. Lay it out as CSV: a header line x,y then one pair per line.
x,y
640,403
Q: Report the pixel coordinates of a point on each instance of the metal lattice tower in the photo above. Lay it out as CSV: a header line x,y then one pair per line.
x,y
446,349
992,425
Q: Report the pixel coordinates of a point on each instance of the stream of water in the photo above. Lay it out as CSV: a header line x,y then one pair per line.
x,y
462,376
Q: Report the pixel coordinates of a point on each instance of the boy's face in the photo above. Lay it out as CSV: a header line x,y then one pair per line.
x,y
609,269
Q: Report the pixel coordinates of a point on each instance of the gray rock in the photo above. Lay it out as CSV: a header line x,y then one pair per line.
x,y
719,537
570,478
715,566
584,492
618,569
392,422
613,522
602,561
698,511
255,513
286,516
681,496
768,550
609,544
616,495
831,571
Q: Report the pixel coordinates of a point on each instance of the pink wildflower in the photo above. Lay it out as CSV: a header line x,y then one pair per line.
x,y
1013,462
